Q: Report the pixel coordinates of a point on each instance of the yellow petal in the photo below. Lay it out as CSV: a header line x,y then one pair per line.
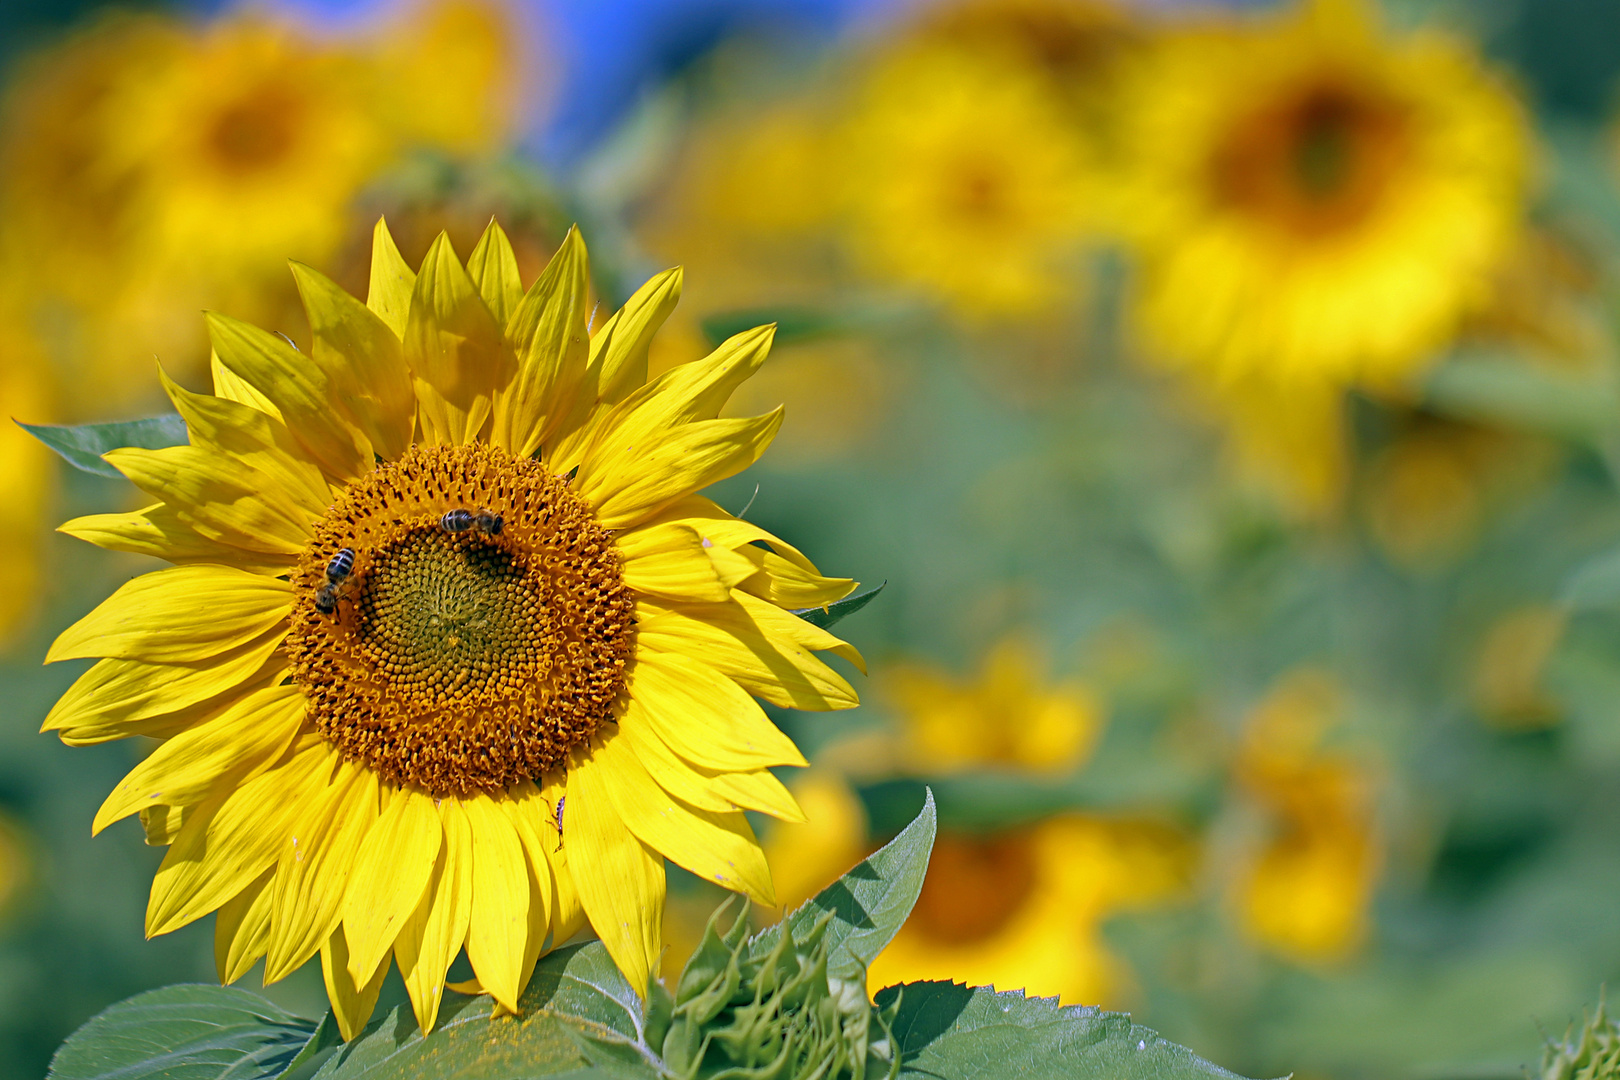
x,y
524,807
674,774
788,585
719,847
567,913
261,442
786,626
231,840
232,387
454,349
762,661
392,281
391,875
242,930
301,392
313,871
670,561
703,716
619,349
437,928
760,791
219,496
158,532
723,530
238,744
115,693
494,271
363,361
162,824
629,482
352,1004
176,616
498,927
620,881
550,340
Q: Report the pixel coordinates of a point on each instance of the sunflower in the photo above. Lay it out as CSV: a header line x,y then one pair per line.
x,y
452,653
1307,890
1024,908
1314,199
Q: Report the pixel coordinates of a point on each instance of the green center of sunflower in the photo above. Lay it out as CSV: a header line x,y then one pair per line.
x,y
460,655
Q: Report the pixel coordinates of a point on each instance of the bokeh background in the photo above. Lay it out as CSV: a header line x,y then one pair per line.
x,y
1227,394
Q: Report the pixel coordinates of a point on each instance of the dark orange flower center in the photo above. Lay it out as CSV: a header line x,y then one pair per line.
x,y
975,885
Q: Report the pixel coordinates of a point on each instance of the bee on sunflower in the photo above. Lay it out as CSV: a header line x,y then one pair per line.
x,y
372,722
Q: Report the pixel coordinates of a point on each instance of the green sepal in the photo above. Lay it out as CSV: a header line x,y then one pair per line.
x,y
81,445
828,614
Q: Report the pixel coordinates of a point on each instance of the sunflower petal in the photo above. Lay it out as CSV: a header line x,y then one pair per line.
x,y
548,333
352,1003
232,387
703,716
313,871
760,791
619,349
687,782
629,482
497,929
219,425
391,875
494,270
234,746
454,349
176,616
437,928
115,693
301,392
670,561
718,847
159,532
392,281
723,530
220,496
242,930
230,840
363,359
735,643
786,584
524,807
162,824
621,885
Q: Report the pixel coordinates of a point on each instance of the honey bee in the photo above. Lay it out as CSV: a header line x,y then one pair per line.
x,y
457,520
340,566
326,598
488,522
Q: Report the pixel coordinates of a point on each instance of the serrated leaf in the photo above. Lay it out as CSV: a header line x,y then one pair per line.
x,y
839,609
81,445
189,1032
580,1019
1595,584
869,904
946,1029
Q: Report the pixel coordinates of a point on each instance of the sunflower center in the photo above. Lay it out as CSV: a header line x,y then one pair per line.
x,y
255,132
974,888
1314,161
460,655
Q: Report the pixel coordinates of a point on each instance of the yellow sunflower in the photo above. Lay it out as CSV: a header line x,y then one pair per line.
x,y
452,653
1316,199
1308,888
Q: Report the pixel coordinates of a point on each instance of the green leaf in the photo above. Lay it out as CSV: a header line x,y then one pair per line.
x,y
1508,390
190,1032
1595,584
792,323
580,1019
945,1029
869,904
838,609
82,445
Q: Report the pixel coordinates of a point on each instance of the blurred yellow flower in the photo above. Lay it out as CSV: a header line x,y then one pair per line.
x,y
1316,199
25,472
1023,909
1511,664
155,167
1307,891
966,182
1011,716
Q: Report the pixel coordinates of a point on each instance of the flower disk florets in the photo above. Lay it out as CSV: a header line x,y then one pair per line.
x,y
461,661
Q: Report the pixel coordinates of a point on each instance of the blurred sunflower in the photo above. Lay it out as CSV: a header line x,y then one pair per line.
x,y
1024,908
24,472
131,142
948,726
452,653
1307,891
1316,200
990,227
